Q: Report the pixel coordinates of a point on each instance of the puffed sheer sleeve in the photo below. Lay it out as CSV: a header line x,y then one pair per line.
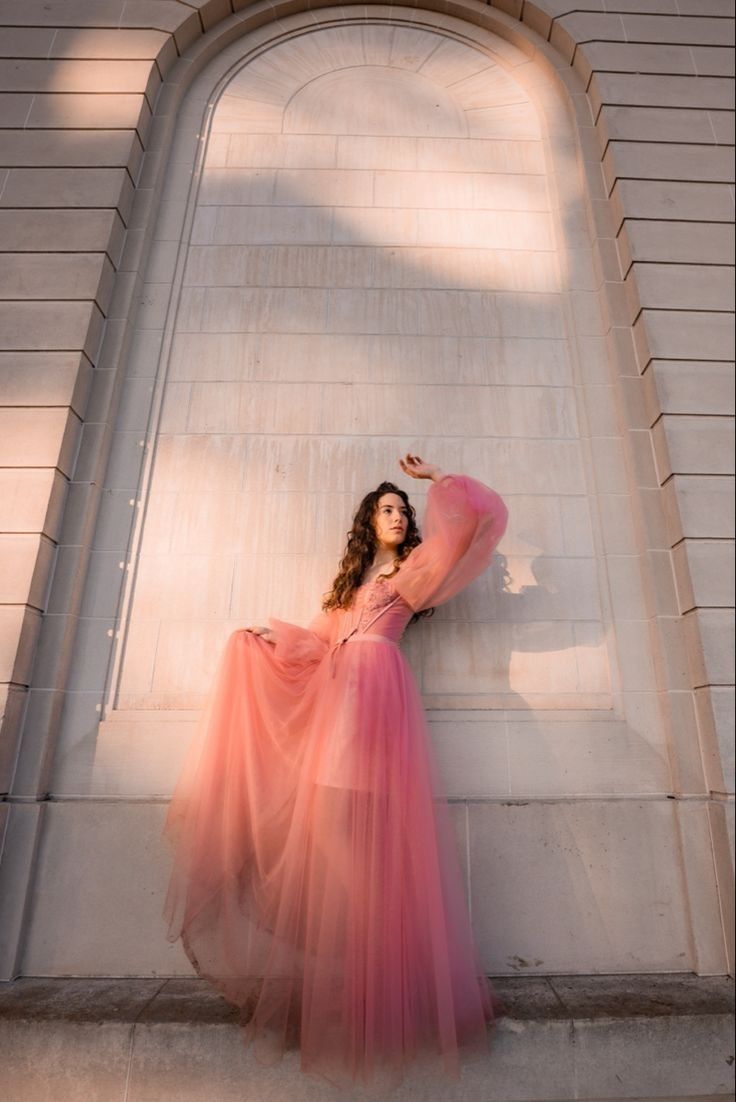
x,y
464,521
302,646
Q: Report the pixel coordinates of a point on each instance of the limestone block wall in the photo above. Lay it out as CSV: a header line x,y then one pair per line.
x,y
81,178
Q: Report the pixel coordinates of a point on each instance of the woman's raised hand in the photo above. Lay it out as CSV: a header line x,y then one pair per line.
x,y
415,466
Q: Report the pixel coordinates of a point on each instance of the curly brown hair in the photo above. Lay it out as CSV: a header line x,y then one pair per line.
x,y
361,548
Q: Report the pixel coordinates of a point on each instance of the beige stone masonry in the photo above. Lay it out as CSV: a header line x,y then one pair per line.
x,y
58,276
32,500
656,124
60,13
700,506
62,231
660,91
26,41
74,187
704,575
116,89
94,112
633,57
98,148
671,161
20,627
693,386
694,29
724,126
31,75
99,44
45,379
38,438
693,445
672,200
55,325
635,640
709,634
720,8
713,62
681,287
27,563
80,85
682,334
15,108
675,243
185,26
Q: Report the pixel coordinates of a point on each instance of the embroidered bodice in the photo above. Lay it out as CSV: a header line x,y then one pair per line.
x,y
374,596
377,608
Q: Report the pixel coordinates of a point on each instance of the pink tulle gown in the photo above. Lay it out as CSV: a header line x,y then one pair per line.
x,y
316,881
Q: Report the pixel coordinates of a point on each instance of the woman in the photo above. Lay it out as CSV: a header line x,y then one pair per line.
x,y
316,881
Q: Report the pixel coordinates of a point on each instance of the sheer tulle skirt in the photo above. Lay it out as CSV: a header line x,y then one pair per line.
x,y
315,879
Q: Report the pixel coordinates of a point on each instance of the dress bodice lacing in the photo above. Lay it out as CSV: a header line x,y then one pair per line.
x,y
372,602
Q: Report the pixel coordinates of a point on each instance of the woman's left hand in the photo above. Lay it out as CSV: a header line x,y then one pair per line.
x,y
265,633
415,467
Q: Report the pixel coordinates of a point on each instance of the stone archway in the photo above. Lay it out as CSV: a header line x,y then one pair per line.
x,y
373,265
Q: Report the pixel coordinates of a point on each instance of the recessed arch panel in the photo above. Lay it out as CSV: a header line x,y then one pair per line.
x,y
373,265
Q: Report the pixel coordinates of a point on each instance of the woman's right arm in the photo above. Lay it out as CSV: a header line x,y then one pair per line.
x,y
464,521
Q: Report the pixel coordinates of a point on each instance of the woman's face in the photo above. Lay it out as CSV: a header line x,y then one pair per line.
x,y
391,521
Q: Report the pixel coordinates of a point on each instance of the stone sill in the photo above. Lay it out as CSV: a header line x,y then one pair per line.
x,y
527,998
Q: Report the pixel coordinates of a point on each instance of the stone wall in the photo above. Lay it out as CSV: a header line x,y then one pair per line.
x,y
82,178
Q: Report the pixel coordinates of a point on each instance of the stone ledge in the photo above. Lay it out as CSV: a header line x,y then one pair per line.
x,y
639,1038
527,998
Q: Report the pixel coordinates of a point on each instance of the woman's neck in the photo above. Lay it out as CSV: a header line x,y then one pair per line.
x,y
383,557
383,563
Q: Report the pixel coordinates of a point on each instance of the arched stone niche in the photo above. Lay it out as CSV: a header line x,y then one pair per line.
x,y
373,237
373,265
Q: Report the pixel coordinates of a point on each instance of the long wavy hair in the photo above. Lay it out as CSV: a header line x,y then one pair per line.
x,y
362,545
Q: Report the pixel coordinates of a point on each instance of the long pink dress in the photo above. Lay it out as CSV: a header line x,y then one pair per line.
x,y
316,881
